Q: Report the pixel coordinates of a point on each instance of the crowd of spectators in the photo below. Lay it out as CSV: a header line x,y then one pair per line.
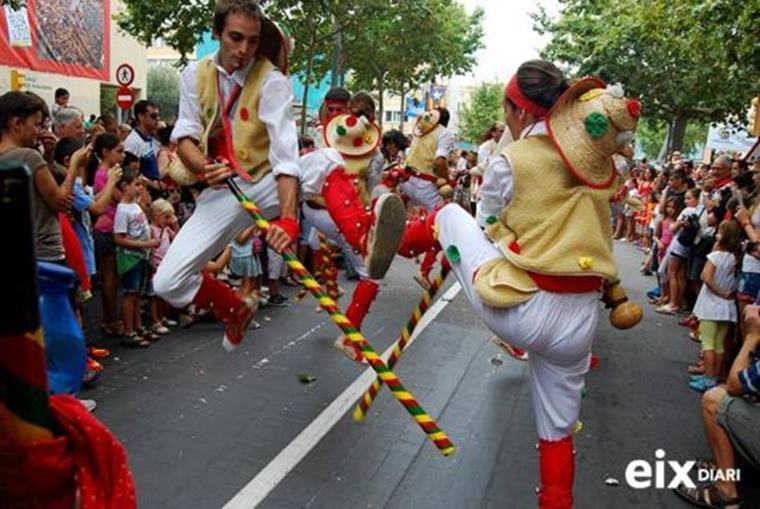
x,y
105,207
71,31
697,226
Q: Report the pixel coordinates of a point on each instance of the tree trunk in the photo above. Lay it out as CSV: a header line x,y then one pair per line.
x,y
678,132
309,65
381,92
403,109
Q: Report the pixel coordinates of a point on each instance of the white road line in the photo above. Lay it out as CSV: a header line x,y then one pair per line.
x,y
270,476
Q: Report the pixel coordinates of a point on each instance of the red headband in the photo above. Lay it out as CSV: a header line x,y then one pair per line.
x,y
514,94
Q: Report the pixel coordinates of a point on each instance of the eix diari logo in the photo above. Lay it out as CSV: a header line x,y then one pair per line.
x,y
642,474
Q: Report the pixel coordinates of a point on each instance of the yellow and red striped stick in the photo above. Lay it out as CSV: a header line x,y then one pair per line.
x,y
360,412
326,269
425,421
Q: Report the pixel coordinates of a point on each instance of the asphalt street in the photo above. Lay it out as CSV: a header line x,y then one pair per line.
x,y
200,424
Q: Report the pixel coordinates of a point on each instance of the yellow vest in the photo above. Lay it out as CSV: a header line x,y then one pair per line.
x,y
421,155
553,225
250,139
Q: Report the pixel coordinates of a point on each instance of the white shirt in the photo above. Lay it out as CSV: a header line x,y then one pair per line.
x,y
498,185
447,142
275,111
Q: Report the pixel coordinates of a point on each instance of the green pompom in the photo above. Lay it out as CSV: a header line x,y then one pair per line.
x,y
491,220
452,253
341,130
209,112
596,124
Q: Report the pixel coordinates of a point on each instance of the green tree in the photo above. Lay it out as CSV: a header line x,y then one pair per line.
x,y
650,137
403,45
163,89
482,111
687,60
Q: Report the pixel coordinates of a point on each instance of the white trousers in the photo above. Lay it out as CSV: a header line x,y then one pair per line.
x,y
275,265
557,329
421,192
323,223
217,219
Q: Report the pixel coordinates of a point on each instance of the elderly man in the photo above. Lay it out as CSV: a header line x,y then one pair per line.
x,y
68,122
730,414
720,171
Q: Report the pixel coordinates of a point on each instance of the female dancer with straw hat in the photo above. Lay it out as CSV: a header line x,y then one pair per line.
x,y
536,273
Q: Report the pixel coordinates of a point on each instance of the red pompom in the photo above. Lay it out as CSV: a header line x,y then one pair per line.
x,y
514,247
244,115
634,108
358,142
351,121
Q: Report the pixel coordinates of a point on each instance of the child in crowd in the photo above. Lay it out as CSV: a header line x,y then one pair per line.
x,y
245,264
164,227
663,237
133,241
716,305
684,231
107,154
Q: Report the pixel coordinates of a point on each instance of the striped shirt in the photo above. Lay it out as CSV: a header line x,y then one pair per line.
x,y
749,377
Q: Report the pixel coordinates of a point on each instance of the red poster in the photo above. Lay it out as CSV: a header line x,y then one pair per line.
x,y
70,37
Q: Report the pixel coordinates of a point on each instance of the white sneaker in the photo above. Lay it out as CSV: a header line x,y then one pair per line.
x,y
160,329
89,404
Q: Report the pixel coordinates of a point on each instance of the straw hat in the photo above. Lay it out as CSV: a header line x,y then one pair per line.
x,y
352,136
589,124
274,44
426,122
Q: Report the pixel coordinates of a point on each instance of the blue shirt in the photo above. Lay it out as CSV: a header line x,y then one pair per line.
x,y
146,149
749,377
82,225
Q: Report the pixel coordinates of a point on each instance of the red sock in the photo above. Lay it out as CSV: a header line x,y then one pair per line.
x,y
557,466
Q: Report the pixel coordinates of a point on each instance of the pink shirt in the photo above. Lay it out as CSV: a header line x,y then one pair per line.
x,y
104,224
165,235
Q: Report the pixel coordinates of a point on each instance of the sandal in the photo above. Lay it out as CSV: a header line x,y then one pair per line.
x,y
148,334
707,495
112,329
134,340
667,309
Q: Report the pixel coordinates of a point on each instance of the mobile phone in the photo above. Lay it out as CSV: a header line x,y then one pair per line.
x,y
18,300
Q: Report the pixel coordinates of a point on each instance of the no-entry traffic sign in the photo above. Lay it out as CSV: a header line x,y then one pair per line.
x,y
125,98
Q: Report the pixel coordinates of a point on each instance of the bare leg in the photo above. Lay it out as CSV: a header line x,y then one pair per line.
x,y
720,443
109,287
128,306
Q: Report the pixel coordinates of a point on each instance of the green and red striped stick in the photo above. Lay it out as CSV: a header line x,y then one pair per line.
x,y
425,421
360,412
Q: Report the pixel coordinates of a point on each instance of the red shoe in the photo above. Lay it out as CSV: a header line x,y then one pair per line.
x,y
237,322
98,353
690,322
512,351
349,349
234,312
94,365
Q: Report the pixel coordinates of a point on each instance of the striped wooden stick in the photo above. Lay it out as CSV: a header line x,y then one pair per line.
x,y
425,421
328,268
362,408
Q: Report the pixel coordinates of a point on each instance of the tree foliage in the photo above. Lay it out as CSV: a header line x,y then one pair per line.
x,y
650,137
163,89
389,45
403,45
686,60
482,111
